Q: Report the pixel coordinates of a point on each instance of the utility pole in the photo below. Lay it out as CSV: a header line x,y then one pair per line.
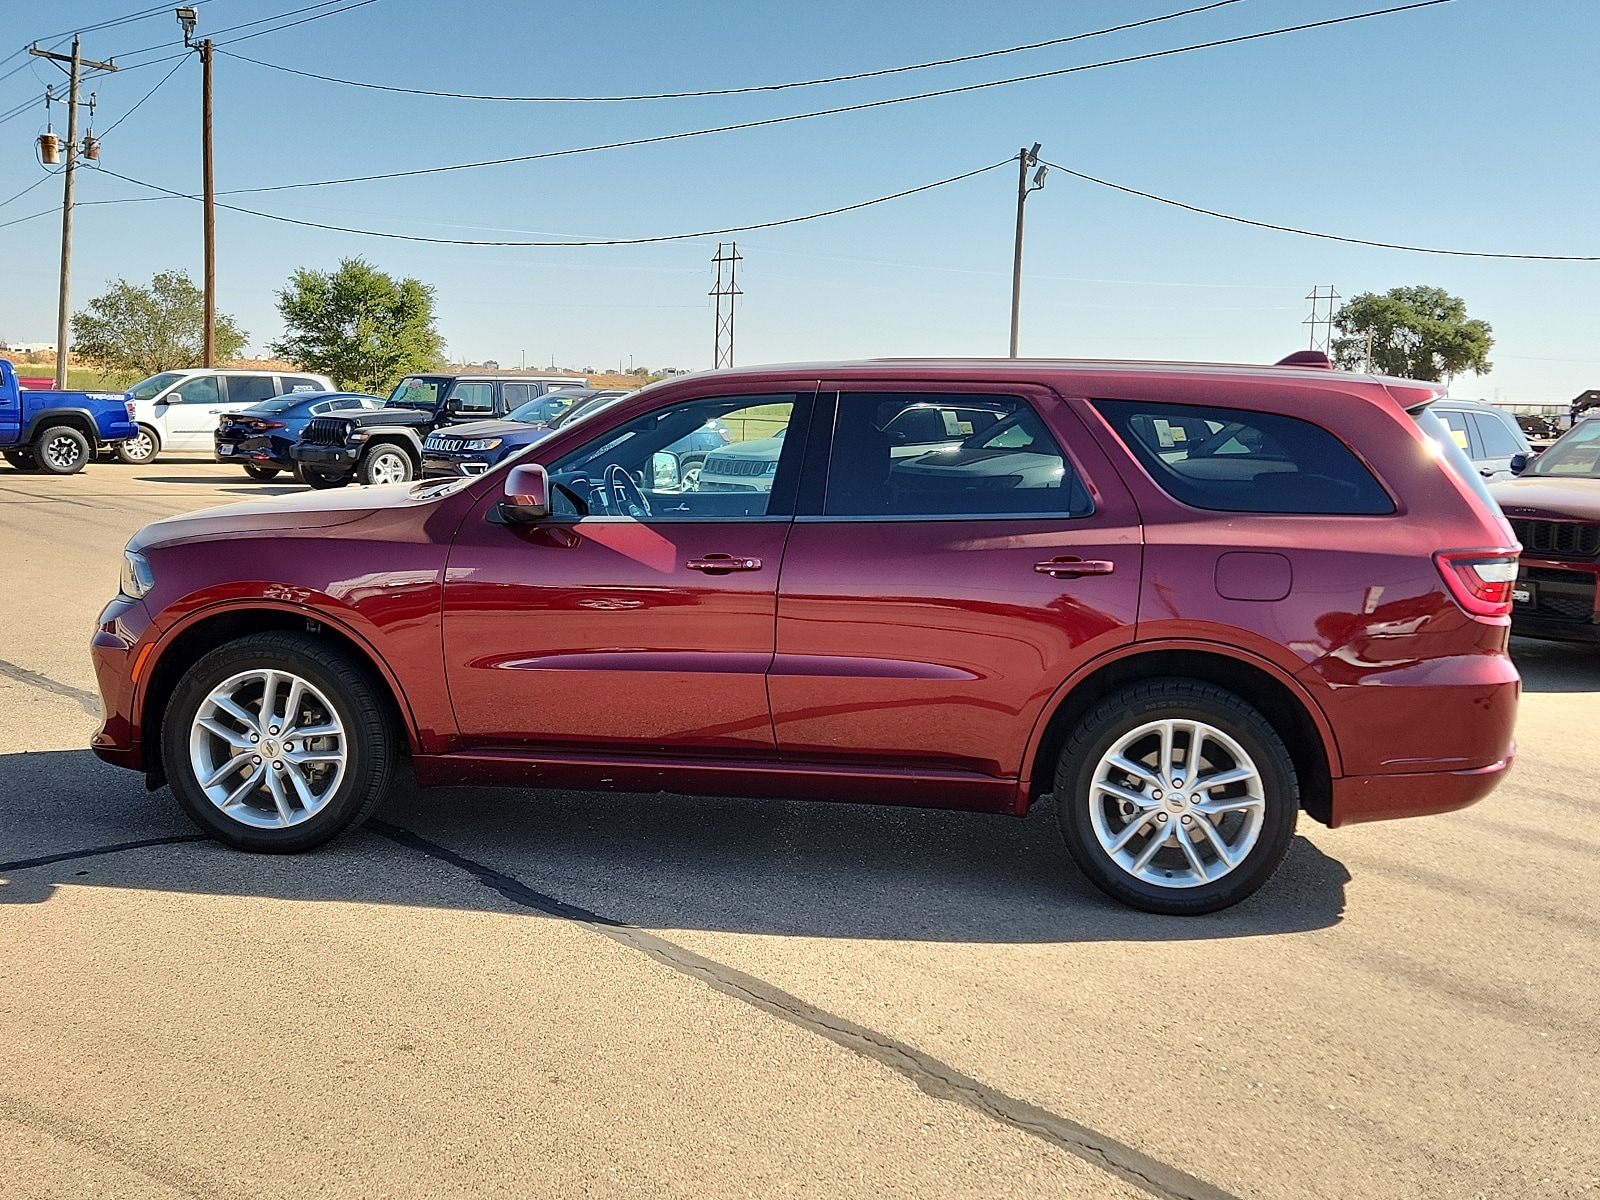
x,y
721,357
1025,159
1316,320
188,17
64,298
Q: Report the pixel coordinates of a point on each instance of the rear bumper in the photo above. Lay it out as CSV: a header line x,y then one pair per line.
x,y
1359,798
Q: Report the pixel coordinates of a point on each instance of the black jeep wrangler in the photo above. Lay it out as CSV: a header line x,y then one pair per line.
x,y
384,445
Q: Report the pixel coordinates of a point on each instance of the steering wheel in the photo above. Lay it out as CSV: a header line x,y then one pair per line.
x,y
624,494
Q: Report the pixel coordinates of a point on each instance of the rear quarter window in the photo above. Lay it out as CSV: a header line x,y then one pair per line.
x,y
1235,460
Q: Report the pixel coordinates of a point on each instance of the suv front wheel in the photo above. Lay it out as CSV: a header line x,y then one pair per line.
x,y
386,463
1177,797
277,742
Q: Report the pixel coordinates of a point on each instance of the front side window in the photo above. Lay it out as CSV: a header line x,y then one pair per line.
x,y
910,454
1234,460
1498,440
202,389
1576,454
711,459
1456,422
473,398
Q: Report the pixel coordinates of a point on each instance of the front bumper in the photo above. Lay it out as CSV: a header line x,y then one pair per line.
x,y
437,465
325,457
119,647
1563,600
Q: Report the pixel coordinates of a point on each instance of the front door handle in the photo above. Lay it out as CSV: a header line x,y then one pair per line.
x,y
722,564
1071,568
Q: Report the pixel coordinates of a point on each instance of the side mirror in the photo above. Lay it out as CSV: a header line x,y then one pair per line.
x,y
453,405
664,470
1519,463
527,496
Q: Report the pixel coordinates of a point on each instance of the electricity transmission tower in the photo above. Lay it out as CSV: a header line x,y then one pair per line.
x,y
1324,303
722,349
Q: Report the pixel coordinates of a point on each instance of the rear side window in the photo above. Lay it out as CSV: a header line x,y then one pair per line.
x,y
250,389
300,383
1234,460
1498,440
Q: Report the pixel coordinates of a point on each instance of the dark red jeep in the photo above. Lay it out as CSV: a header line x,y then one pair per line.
x,y
1186,601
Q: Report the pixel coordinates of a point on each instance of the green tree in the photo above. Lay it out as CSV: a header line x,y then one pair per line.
x,y
360,326
1414,332
138,331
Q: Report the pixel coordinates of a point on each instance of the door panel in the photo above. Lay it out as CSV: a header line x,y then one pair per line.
x,y
936,641
595,634
192,410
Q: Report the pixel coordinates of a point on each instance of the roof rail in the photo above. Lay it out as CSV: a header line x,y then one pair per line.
x,y
1306,358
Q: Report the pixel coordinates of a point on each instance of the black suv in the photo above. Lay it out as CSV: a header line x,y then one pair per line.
x,y
385,444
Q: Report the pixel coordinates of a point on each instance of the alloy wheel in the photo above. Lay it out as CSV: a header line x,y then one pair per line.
x,y
268,749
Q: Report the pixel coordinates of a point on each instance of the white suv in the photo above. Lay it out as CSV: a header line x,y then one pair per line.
x,y
178,410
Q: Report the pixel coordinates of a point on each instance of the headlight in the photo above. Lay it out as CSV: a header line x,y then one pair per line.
x,y
137,577
771,468
481,444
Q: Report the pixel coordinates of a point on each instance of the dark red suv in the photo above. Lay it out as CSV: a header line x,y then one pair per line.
x,y
1185,601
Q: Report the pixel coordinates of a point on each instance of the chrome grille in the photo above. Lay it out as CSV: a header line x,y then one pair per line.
x,y
734,466
1560,539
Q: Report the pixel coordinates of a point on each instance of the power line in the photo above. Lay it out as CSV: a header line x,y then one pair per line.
x,y
739,91
310,8
828,112
638,241
142,99
1311,233
42,180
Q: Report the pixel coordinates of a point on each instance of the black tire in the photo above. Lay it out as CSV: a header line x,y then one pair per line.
x,y
372,744
1080,805
22,460
319,480
140,449
386,463
61,450
260,473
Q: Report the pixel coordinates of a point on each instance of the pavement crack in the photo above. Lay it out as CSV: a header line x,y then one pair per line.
x,y
87,699
933,1076
22,864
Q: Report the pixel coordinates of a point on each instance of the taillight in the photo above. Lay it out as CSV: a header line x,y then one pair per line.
x,y
1481,581
262,426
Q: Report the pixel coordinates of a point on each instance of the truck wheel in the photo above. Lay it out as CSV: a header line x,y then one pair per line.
x,y
320,482
278,742
22,460
61,450
141,448
261,473
1176,797
386,464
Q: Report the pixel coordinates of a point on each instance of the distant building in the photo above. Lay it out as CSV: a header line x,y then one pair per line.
x,y
489,364
31,347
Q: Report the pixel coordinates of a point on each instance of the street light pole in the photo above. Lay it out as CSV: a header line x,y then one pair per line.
x,y
210,341
1025,159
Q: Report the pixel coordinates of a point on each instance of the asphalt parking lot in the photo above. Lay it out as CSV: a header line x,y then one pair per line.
x,y
559,994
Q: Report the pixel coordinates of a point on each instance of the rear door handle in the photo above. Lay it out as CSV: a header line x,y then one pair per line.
x,y
722,564
1071,568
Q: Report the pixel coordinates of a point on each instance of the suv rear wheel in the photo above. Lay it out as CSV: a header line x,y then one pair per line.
x,y
141,448
386,463
1176,797
61,450
277,742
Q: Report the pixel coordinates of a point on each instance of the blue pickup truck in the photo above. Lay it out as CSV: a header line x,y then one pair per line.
x,y
58,432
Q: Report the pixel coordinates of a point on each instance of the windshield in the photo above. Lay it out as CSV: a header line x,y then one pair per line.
x,y
1577,455
154,386
417,393
1451,452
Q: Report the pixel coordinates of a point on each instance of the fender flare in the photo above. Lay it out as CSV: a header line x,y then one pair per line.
x,y
166,639
1295,687
76,417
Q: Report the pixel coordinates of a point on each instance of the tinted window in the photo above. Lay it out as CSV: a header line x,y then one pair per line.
x,y
660,456
200,390
273,406
473,397
1498,441
910,454
516,394
1450,450
347,402
1578,453
301,383
250,389
1233,460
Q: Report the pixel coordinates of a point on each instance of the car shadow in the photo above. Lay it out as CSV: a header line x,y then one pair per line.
x,y
785,868
1548,666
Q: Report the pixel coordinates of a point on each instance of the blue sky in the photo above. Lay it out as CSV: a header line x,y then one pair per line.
x,y
1467,125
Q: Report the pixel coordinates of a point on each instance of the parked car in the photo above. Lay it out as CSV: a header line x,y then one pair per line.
x,y
1490,436
58,432
472,449
386,446
178,410
1302,604
258,439
1554,509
